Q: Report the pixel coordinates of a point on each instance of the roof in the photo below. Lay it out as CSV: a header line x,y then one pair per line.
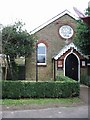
x,y
86,20
53,19
65,49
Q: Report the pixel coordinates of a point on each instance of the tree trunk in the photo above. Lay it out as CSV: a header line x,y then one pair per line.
x,y
5,72
9,65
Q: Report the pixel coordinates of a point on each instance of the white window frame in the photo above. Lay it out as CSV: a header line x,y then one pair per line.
x,y
42,45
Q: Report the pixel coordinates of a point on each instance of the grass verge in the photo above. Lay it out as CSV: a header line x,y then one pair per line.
x,y
16,102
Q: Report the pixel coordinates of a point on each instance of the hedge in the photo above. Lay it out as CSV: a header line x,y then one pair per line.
x,y
85,80
63,78
26,89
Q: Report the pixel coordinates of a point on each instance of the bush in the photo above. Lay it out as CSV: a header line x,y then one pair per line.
x,y
85,80
71,85
63,78
26,89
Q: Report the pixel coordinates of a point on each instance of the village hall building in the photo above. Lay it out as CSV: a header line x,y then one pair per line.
x,y
56,54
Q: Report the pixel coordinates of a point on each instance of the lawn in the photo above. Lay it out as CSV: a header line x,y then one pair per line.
x,y
39,101
17,104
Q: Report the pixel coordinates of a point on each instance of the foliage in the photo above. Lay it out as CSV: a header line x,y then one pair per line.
x,y
87,11
85,80
16,42
40,101
63,78
27,89
82,38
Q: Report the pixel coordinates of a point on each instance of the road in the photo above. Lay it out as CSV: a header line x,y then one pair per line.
x,y
59,112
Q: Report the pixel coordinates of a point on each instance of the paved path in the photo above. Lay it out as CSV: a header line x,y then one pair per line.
x,y
61,112
84,93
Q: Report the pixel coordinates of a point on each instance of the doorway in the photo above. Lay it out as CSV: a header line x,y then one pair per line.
x,y
71,66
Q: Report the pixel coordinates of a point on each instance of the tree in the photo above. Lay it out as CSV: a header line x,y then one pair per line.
x,y
87,11
82,38
16,42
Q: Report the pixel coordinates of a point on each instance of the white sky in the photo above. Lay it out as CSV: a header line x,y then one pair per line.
x,y
35,12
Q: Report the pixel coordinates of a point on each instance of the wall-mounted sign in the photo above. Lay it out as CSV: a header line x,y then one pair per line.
x,y
59,64
83,63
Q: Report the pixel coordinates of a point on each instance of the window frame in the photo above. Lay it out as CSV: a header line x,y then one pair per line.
x,y
42,45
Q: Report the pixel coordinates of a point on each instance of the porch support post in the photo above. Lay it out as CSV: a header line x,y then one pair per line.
x,y
54,71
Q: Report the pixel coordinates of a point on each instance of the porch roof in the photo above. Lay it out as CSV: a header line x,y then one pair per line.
x,y
65,49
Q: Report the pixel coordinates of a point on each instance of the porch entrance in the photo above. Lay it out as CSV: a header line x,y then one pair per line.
x,y
71,66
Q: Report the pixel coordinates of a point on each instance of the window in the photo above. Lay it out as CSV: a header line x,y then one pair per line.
x,y
66,31
41,54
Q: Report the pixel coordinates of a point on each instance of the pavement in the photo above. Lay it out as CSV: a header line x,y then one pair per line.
x,y
56,112
61,112
84,93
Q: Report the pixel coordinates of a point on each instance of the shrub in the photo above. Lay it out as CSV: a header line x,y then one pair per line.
x,y
11,89
26,89
63,78
85,80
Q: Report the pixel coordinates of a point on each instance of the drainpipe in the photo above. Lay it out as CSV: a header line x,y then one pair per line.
x,y
36,63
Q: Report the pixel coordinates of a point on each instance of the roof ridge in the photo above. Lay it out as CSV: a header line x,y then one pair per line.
x,y
52,20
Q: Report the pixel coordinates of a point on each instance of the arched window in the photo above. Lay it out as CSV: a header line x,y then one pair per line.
x,y
41,54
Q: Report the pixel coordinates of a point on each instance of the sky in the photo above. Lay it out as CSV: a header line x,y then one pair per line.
x,y
35,12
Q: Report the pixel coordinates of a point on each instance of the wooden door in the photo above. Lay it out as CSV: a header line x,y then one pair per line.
x,y
71,67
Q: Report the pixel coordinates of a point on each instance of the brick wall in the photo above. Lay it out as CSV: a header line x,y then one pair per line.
x,y
51,35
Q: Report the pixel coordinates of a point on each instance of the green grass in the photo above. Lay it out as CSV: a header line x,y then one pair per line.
x,y
39,101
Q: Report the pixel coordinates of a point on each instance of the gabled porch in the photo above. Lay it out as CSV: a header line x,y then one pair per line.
x,y
70,62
